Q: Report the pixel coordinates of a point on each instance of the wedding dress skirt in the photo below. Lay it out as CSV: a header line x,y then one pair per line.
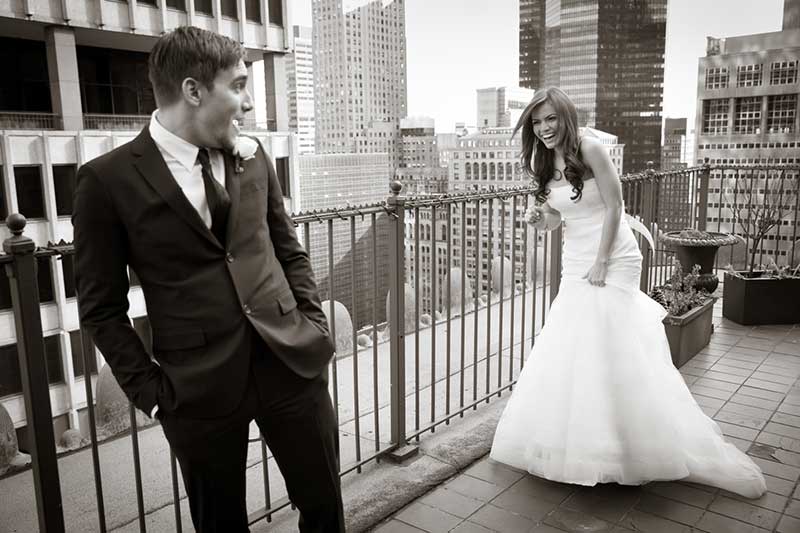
x,y
599,399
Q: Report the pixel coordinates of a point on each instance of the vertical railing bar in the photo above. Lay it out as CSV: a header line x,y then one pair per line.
x,y
489,254
265,471
332,312
513,285
449,311
307,237
353,303
502,203
719,214
780,220
522,347
535,279
417,328
375,402
463,300
477,291
796,222
87,346
734,218
397,328
761,243
176,497
546,286
137,467
434,274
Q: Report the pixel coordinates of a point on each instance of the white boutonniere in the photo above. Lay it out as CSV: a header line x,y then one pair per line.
x,y
244,149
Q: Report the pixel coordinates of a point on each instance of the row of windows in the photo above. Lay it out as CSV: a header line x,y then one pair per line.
x,y
781,73
746,146
781,115
228,8
30,192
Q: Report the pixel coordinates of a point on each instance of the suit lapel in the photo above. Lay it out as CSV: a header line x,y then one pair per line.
x,y
232,185
152,167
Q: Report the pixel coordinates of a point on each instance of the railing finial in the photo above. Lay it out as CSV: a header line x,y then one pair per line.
x,y
395,187
16,223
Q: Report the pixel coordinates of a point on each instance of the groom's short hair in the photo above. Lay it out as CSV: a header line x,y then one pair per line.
x,y
189,52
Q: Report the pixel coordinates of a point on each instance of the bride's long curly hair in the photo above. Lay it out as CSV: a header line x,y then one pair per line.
x,y
567,137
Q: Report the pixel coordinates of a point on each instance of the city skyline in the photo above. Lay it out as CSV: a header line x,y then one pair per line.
x,y
447,63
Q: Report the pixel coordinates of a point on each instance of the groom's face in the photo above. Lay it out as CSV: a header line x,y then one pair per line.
x,y
221,112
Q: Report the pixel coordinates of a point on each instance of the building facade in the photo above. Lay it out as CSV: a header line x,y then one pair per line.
x,y
673,152
330,181
419,166
300,90
608,56
359,76
531,43
747,113
501,107
79,89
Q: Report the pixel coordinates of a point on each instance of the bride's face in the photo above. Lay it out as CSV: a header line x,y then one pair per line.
x,y
545,124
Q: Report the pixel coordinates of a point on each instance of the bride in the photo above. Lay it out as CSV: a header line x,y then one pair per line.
x,y
599,400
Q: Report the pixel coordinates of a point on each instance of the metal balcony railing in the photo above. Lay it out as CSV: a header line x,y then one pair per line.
x,y
433,302
13,120
99,121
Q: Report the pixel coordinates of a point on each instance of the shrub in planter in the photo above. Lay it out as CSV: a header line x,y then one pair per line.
x,y
761,295
688,323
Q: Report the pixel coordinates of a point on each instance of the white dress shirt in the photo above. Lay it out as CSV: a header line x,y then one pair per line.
x,y
181,159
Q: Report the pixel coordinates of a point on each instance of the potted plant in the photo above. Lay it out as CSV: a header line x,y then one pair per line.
x,y
695,247
763,294
688,323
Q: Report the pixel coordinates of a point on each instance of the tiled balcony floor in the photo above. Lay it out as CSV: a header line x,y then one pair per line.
x,y
746,379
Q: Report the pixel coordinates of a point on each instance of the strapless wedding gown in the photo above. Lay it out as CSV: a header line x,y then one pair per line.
x,y
599,399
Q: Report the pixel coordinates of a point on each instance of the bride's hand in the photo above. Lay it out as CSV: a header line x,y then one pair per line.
x,y
597,274
540,218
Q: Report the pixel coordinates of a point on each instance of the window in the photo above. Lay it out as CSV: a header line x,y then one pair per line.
x,y
177,4
782,110
68,268
748,115
282,170
64,182
76,343
114,82
30,197
228,8
715,117
748,75
716,78
3,203
783,72
203,6
52,359
276,12
44,278
252,10
10,378
151,3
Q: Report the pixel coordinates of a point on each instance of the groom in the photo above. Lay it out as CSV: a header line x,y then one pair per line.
x,y
237,327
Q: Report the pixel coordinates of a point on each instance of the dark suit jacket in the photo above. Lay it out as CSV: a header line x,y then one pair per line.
x,y
201,297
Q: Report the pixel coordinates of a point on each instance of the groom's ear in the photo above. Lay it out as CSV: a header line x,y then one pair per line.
x,y
191,91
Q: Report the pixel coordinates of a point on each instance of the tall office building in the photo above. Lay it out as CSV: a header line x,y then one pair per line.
x,y
501,107
673,153
359,76
300,89
791,14
332,181
531,43
75,88
420,169
747,113
608,56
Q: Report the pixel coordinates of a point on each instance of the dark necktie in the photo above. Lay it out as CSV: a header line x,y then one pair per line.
x,y
217,197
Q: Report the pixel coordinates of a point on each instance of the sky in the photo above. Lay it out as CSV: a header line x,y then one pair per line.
x,y
458,46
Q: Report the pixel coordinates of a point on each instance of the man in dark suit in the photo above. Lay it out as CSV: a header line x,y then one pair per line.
x,y
238,330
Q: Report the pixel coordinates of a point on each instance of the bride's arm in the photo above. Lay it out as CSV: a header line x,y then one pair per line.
x,y
596,157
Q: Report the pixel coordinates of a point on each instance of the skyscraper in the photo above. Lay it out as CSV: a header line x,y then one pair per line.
x,y
501,107
359,75
608,56
300,93
791,14
531,43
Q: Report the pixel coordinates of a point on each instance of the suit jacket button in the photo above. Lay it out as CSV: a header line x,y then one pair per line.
x,y
247,309
229,258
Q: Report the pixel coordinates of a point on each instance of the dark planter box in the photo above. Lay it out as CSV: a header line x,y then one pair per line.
x,y
689,333
755,300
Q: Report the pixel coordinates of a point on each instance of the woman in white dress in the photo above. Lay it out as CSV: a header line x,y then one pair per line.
x,y
599,399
